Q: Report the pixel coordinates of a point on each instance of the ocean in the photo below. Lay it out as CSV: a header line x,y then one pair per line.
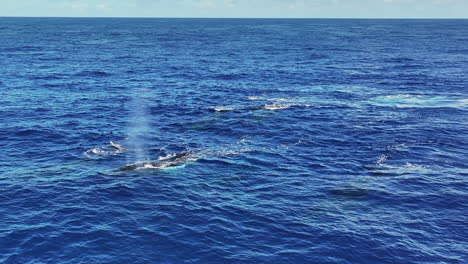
x,y
233,140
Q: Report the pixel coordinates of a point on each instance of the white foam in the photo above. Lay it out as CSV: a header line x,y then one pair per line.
x,y
96,41
277,106
383,167
381,160
283,106
255,98
222,108
406,168
398,147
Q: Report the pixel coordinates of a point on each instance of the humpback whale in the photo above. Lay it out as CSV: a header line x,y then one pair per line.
x,y
117,146
112,149
176,160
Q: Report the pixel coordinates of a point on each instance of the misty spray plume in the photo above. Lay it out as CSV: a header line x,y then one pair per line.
x,y
138,124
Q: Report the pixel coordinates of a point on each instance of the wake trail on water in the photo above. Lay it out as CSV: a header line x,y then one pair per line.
x,y
138,158
181,159
263,103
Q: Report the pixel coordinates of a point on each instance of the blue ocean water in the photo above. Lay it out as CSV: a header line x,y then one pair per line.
x,y
298,141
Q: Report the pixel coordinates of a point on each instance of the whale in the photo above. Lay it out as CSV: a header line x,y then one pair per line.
x,y
112,148
173,161
116,146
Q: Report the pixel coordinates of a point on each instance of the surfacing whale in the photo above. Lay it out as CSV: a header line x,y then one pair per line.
x,y
108,150
173,161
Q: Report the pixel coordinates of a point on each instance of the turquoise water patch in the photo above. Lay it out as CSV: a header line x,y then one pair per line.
x,y
418,101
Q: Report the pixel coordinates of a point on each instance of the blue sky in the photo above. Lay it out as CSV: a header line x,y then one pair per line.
x,y
238,8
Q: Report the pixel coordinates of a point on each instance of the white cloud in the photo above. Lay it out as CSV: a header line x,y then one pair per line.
x,y
204,3
443,2
297,4
399,1
81,7
231,3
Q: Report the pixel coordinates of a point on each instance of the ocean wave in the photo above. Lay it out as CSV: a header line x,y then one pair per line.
x,y
48,77
383,167
402,169
407,66
39,133
259,98
24,48
244,192
458,51
228,77
96,41
399,60
398,147
93,74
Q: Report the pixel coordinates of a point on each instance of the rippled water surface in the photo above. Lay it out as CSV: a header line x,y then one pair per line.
x,y
233,141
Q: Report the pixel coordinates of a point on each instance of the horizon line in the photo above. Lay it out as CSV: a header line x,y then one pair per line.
x,y
347,18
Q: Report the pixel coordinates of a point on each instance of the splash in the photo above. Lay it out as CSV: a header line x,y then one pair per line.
x,y
222,108
381,160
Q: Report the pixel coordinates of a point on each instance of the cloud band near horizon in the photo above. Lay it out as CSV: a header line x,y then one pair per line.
x,y
238,8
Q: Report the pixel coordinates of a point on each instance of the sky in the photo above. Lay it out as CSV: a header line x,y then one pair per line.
x,y
238,8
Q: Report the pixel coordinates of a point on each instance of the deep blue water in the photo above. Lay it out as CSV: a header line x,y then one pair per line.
x,y
308,141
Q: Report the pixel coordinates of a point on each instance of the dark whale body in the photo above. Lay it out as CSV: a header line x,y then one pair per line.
x,y
176,160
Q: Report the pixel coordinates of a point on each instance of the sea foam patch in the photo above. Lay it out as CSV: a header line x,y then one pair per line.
x,y
418,101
